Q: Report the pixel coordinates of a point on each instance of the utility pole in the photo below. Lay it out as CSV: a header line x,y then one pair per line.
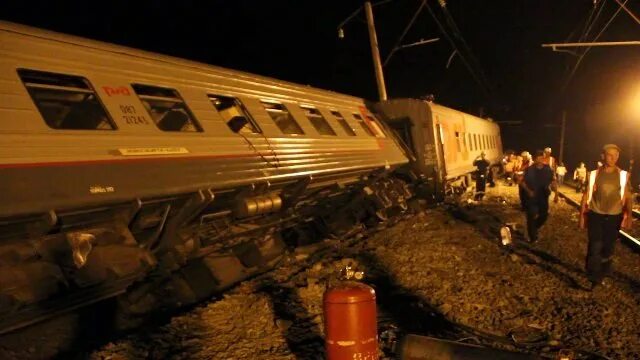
x,y
564,125
377,64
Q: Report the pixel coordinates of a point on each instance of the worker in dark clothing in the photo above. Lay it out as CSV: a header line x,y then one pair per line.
x,y
482,167
606,206
538,180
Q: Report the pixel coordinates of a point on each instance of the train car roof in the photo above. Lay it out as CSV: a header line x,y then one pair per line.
x,y
444,109
147,55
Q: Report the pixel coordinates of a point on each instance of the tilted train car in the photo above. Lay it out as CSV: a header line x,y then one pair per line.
x,y
443,142
118,164
160,180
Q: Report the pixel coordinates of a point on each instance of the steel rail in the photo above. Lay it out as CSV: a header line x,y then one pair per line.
x,y
627,238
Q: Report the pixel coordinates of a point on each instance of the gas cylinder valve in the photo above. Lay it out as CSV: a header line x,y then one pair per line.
x,y
348,273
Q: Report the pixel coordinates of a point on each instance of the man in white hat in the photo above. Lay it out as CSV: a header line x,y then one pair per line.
x,y
550,160
606,207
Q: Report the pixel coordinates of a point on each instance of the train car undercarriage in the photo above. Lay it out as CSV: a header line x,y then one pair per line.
x,y
167,252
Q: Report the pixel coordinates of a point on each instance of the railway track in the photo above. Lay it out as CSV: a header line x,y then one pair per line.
x,y
627,238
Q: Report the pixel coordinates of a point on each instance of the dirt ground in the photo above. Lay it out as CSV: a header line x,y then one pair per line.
x,y
434,275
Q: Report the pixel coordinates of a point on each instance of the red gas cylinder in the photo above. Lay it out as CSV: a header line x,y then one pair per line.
x,y
350,325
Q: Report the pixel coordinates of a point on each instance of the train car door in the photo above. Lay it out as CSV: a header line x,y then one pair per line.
x,y
440,152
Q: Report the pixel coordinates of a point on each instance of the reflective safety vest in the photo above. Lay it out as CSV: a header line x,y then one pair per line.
x,y
593,175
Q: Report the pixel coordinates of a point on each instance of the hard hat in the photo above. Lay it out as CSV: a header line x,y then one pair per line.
x,y
525,154
547,149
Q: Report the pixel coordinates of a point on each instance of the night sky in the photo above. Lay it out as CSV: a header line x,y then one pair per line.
x,y
297,41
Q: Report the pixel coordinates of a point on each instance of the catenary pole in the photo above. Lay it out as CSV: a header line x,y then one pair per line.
x,y
375,52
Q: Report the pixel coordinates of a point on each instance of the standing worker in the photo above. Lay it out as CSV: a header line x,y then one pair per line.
x,y
561,171
519,177
539,179
549,160
580,177
509,168
482,165
606,206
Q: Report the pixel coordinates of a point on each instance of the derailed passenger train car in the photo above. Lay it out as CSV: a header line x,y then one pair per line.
x,y
118,165
160,181
442,142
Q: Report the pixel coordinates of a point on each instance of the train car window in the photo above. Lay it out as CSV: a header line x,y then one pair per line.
x,y
373,124
475,141
234,114
66,102
167,109
470,142
363,125
318,121
458,144
282,118
464,142
345,125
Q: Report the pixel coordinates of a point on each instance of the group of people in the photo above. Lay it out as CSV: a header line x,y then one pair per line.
x,y
606,202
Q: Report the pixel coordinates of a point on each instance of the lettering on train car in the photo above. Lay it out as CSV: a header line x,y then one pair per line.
x,y
131,117
99,189
120,90
430,157
152,151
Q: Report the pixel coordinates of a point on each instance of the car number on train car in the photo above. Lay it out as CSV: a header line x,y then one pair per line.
x,y
131,117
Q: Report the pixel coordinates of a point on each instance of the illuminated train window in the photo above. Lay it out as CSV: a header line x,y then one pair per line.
x,y
234,114
318,121
283,119
65,101
345,125
363,125
167,109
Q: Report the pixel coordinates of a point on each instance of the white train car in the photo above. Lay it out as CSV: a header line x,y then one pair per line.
x,y
444,142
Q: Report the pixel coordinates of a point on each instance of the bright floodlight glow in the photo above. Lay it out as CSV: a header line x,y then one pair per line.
x,y
635,103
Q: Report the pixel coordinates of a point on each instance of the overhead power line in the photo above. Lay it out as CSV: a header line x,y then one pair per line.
x,y
455,47
579,61
589,26
629,12
458,34
404,33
